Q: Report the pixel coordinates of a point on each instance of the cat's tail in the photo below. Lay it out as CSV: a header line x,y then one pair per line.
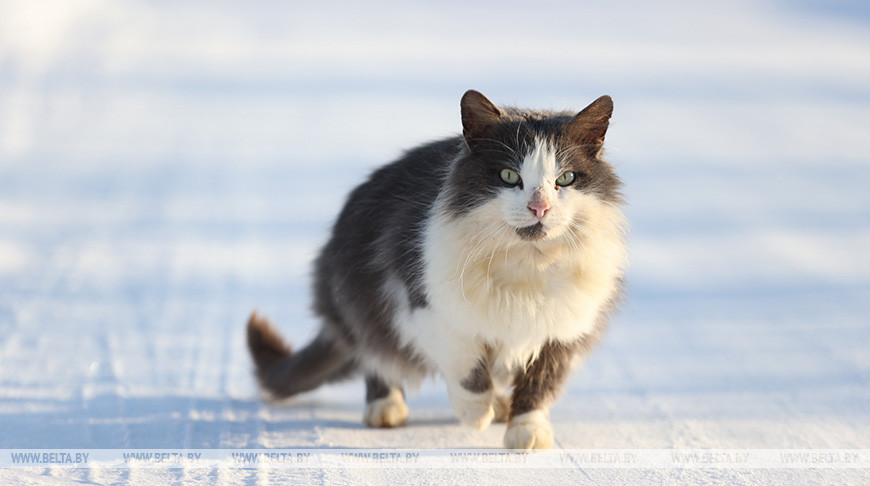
x,y
284,373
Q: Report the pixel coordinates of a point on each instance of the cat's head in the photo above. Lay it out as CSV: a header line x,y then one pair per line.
x,y
536,174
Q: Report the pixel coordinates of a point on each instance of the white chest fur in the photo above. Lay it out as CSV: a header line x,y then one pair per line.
x,y
487,286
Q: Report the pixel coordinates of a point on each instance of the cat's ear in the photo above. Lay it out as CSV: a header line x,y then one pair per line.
x,y
478,115
589,126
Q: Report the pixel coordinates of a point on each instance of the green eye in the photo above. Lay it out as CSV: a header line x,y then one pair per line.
x,y
566,179
509,176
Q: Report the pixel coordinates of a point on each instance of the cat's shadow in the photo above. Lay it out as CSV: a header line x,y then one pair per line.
x,y
359,425
433,421
298,404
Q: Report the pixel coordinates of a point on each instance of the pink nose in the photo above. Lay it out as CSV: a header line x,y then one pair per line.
x,y
539,207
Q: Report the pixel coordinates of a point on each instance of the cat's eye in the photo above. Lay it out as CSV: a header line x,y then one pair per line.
x,y
566,179
509,176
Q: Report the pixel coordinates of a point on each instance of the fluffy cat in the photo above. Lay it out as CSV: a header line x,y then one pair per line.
x,y
492,258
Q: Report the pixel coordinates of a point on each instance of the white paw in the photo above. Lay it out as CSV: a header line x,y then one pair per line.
x,y
530,430
477,416
390,411
473,409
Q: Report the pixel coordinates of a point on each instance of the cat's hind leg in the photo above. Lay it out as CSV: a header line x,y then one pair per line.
x,y
385,404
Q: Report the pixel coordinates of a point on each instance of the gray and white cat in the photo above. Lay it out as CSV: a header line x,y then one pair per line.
x,y
492,258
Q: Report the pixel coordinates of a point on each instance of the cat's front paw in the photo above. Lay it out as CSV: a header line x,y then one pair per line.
x,y
475,415
530,430
473,409
390,411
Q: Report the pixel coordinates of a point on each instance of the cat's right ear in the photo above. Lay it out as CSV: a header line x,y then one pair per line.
x,y
479,115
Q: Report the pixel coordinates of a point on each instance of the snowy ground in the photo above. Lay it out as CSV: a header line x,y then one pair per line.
x,y
165,168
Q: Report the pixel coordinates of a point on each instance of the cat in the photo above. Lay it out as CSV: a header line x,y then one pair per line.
x,y
493,258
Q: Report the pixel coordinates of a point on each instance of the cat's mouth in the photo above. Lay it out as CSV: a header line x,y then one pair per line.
x,y
533,232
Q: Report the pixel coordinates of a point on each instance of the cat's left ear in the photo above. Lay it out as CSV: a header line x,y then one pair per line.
x,y
479,115
589,126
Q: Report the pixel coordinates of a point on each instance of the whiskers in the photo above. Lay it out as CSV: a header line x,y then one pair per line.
x,y
577,234
562,153
585,235
495,248
487,240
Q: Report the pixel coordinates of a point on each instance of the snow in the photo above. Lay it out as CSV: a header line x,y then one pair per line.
x,y
167,167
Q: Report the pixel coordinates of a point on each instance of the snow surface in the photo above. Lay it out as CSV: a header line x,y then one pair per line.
x,y
167,167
